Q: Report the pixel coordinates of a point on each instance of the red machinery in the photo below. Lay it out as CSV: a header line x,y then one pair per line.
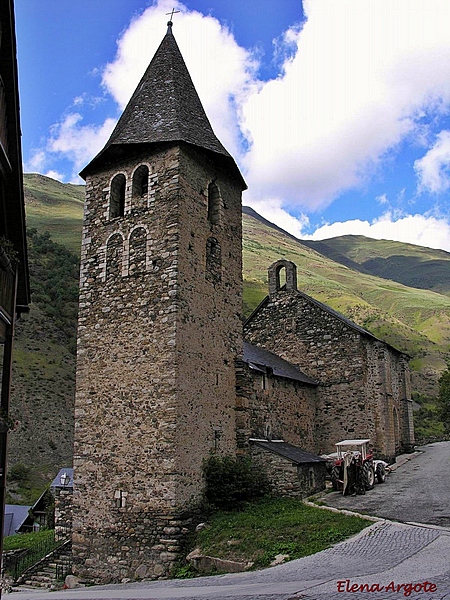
x,y
354,470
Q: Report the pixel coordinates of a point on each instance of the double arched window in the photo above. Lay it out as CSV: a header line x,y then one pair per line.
x,y
126,256
118,192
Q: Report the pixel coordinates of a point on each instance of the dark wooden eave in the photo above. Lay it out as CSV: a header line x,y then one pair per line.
x,y
264,361
11,155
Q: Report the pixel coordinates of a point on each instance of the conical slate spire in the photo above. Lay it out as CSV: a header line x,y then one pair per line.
x,y
165,107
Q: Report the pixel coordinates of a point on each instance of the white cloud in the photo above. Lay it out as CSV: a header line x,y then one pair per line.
x,y
382,199
421,230
360,78
273,211
433,169
221,70
364,72
36,162
79,142
73,141
54,175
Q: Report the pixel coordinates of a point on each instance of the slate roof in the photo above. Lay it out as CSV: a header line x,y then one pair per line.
x,y
165,107
330,311
15,516
57,481
292,453
265,361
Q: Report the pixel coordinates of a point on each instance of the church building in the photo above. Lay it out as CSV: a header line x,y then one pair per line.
x,y
166,372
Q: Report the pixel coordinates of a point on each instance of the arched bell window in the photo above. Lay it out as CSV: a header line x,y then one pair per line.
x,y
214,204
140,182
282,273
117,196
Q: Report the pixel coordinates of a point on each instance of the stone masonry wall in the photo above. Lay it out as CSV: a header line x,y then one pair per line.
x,y
285,409
352,398
288,478
63,512
209,325
389,377
156,348
125,423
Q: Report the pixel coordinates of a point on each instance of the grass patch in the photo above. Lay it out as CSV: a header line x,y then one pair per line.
x,y
23,541
275,526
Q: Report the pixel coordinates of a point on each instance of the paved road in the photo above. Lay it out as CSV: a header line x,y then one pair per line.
x,y
418,491
378,560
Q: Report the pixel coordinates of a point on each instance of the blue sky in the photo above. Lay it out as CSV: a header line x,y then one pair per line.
x,y
337,111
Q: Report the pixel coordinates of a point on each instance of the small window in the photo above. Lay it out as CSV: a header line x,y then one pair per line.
x,y
120,498
214,204
140,182
117,197
138,251
114,256
213,261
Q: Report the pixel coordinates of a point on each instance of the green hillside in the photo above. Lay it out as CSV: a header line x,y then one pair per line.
x,y
414,266
43,384
413,320
55,207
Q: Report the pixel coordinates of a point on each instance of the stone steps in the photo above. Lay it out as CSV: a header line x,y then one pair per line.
x,y
43,575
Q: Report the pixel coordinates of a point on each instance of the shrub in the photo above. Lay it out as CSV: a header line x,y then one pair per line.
x,y
19,472
229,482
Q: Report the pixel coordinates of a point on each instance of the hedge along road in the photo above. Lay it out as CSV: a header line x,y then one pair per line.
x,y
417,492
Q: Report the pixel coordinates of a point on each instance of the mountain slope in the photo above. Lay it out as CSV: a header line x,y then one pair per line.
x,y
55,207
43,383
414,266
416,321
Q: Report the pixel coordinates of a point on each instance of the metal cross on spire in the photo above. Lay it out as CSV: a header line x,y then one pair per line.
x,y
171,15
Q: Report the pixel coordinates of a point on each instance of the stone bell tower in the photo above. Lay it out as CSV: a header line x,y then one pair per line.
x,y
159,325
